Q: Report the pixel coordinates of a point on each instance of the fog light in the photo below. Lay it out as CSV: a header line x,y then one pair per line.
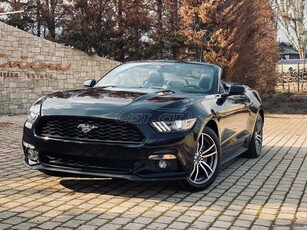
x,y
32,154
27,145
162,164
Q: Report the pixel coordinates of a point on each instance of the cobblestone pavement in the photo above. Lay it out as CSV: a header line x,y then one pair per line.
x,y
264,193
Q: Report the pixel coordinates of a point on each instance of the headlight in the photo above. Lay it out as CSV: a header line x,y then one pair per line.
x,y
34,112
173,126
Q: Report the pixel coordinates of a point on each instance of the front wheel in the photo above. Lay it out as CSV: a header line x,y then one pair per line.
x,y
206,164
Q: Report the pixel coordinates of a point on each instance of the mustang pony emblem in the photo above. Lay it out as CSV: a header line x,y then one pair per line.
x,y
85,128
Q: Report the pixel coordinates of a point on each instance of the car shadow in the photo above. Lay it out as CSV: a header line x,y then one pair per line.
x,y
125,188
119,187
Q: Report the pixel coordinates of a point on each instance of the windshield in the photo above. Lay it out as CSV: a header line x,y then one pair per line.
x,y
188,77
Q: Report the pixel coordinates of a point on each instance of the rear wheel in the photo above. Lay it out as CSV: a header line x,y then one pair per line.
x,y
255,145
206,163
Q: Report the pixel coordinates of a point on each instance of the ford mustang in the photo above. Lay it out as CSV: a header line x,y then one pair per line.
x,y
144,121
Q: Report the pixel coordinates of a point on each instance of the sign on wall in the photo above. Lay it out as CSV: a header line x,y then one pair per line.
x,y
29,66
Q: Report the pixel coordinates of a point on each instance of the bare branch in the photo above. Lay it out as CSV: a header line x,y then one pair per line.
x,y
290,15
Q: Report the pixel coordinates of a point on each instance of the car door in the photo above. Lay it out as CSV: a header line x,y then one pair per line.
x,y
236,118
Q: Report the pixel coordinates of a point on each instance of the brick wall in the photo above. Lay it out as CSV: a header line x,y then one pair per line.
x,y
31,66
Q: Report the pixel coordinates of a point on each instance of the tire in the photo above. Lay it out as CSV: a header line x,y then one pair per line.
x,y
255,145
206,163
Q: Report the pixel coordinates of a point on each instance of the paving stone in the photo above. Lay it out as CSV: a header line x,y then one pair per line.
x,y
178,225
7,214
263,222
24,226
200,225
172,213
242,223
250,193
110,227
73,223
205,218
85,216
151,214
97,222
52,213
121,220
258,227
108,216
5,226
165,219
14,220
119,209
157,226
221,224
133,226
62,218
215,228
87,227
143,220
49,225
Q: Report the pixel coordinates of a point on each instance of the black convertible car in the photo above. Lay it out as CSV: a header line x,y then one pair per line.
x,y
151,120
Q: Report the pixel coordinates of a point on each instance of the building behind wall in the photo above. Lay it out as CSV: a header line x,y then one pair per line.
x,y
31,67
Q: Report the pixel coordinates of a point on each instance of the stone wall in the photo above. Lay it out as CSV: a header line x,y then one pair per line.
x,y
31,67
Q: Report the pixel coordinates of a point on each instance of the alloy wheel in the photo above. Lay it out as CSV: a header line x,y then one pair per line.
x,y
205,160
258,134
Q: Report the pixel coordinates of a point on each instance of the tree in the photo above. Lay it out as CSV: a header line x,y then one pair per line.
x,y
193,28
165,40
15,20
40,17
291,16
239,36
88,26
52,12
136,24
111,28
256,62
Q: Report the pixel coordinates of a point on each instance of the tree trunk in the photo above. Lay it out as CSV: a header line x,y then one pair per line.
x,y
174,26
121,55
302,53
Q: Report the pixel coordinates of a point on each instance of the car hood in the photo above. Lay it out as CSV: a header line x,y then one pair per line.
x,y
116,103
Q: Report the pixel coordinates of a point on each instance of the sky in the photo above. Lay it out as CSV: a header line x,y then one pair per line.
x,y
281,37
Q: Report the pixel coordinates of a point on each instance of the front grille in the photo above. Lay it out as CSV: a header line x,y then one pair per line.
x,y
88,129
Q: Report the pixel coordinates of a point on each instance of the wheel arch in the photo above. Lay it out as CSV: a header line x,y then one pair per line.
x,y
212,124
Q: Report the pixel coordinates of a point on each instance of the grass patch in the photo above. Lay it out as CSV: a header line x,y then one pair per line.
x,y
286,103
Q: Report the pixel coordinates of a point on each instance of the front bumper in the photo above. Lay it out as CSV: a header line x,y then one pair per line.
x,y
115,160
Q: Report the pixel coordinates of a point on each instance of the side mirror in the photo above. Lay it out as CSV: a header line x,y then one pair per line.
x,y
89,83
236,90
233,90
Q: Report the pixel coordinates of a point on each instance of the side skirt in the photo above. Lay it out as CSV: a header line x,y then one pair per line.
x,y
229,157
